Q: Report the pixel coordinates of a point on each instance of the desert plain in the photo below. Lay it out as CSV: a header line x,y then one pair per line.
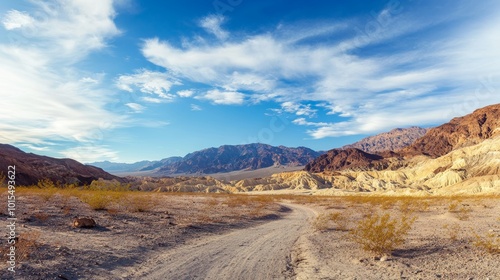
x,y
245,236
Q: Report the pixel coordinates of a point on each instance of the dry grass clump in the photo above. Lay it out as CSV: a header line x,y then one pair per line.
x,y
100,200
460,210
341,220
323,221
489,242
452,230
139,202
26,244
380,233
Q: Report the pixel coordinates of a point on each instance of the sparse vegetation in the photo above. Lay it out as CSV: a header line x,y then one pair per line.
x,y
380,233
321,222
452,230
341,220
490,242
26,244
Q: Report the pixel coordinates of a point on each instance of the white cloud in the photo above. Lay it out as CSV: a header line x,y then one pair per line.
x,y
137,108
153,100
149,82
195,107
66,30
16,19
185,93
55,101
224,97
298,109
303,121
412,83
87,154
212,24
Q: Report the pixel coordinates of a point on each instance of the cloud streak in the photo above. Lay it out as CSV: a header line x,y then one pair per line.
x,y
371,91
39,79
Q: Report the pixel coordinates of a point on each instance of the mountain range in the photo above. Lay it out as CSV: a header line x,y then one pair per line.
x,y
225,158
459,156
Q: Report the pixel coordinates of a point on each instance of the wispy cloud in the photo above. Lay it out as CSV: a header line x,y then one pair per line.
x,y
16,19
156,83
195,107
185,93
420,81
212,24
224,97
91,153
55,101
136,108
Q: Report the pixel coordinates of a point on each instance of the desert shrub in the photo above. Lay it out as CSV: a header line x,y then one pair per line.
x,y
321,222
453,206
26,244
463,213
138,203
340,219
452,230
98,200
381,234
489,242
48,189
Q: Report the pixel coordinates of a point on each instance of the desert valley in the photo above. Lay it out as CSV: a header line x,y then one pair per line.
x,y
249,140
408,204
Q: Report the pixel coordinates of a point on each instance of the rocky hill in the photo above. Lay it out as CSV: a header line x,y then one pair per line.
x,y
231,158
30,168
460,132
393,140
340,159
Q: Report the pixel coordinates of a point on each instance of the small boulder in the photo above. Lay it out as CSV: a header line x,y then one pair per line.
x,y
83,222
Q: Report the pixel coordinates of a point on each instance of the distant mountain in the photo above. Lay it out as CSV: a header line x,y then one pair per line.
x,y
144,165
393,140
160,163
30,168
121,167
231,158
460,132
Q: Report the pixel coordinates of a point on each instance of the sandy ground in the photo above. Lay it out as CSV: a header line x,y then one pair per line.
x,y
251,237
123,238
439,246
259,252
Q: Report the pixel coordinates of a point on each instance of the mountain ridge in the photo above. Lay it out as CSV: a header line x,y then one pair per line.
x,y
393,140
229,158
31,168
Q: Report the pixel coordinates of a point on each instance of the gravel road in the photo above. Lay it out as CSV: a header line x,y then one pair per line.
x,y
260,252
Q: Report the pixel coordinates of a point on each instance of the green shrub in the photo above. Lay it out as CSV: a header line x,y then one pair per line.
x,y
381,234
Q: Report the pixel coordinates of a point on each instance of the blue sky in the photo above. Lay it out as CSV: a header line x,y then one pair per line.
x,y
130,80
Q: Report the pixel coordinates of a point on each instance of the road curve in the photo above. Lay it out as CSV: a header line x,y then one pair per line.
x,y
260,252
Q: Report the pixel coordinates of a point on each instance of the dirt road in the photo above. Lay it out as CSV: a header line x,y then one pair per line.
x,y
260,252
